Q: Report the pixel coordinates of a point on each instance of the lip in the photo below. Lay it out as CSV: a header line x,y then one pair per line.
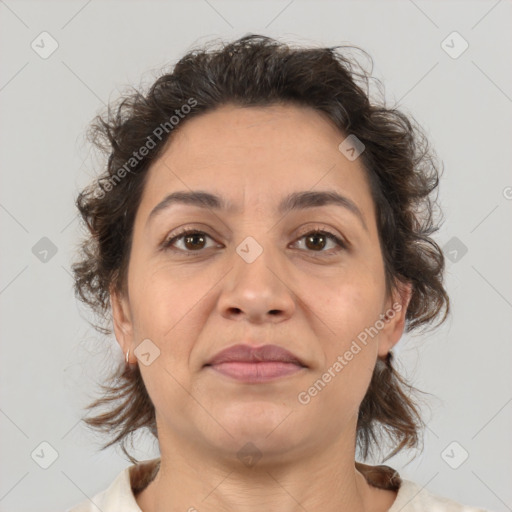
x,y
255,364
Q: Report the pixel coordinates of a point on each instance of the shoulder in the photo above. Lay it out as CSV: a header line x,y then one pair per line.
x,y
412,497
120,494
111,498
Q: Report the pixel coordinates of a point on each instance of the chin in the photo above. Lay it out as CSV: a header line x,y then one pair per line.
x,y
265,424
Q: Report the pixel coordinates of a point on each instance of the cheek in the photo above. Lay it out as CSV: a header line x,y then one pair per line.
x,y
333,397
348,305
169,308
348,301
158,300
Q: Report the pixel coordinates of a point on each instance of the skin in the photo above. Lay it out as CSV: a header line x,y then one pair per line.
x,y
293,295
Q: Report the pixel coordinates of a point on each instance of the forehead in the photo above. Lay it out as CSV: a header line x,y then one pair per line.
x,y
255,154
282,131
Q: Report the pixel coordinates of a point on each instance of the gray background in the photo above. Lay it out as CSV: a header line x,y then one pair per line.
x,y
50,355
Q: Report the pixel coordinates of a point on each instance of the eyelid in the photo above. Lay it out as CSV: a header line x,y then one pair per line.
x,y
323,228
341,241
181,232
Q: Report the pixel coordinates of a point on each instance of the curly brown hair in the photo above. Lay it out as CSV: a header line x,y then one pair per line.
x,y
259,71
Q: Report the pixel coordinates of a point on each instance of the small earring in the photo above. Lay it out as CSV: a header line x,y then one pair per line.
x,y
127,356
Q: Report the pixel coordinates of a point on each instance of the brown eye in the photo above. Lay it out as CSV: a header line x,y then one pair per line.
x,y
317,240
193,240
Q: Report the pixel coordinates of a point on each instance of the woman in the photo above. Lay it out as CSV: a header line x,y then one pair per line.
x,y
262,238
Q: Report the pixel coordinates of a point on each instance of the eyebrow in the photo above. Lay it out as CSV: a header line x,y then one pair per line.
x,y
292,202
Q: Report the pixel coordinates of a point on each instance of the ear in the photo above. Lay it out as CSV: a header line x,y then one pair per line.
x,y
394,324
123,326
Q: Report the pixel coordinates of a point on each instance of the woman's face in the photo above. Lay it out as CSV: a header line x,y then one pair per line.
x,y
254,275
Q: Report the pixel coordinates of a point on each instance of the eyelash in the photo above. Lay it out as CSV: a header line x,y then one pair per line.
x,y
167,244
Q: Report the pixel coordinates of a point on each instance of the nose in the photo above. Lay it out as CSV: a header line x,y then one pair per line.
x,y
257,289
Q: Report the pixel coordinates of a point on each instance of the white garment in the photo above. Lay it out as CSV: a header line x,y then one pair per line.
x,y
411,497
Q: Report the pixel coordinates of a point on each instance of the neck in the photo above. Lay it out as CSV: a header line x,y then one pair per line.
x,y
194,480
